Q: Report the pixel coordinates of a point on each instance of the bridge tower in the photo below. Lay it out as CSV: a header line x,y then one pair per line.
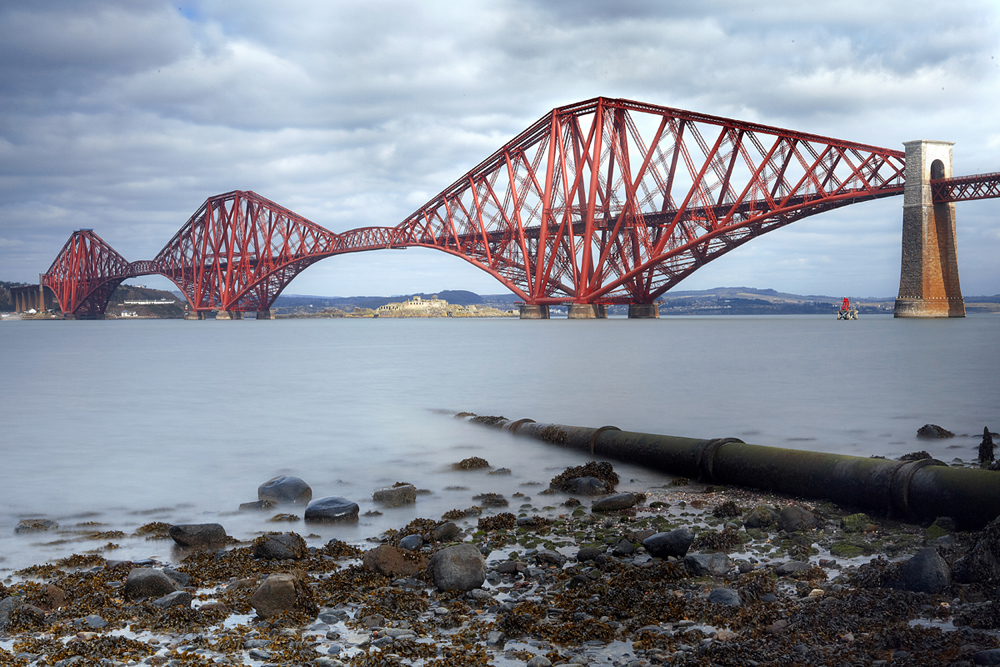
x,y
928,280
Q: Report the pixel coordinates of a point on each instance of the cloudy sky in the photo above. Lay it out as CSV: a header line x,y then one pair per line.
x,y
125,116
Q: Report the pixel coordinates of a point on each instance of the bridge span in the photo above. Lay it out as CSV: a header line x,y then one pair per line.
x,y
607,201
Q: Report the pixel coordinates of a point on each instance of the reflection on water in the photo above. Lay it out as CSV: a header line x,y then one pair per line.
x,y
128,422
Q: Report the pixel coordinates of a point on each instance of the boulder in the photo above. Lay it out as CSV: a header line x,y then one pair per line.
x,y
411,542
7,607
623,549
332,509
586,486
145,582
795,518
285,489
446,532
285,546
934,431
792,568
725,596
393,562
280,593
981,563
175,599
588,553
34,526
925,572
664,545
396,496
715,565
460,567
53,598
760,517
548,557
198,535
619,501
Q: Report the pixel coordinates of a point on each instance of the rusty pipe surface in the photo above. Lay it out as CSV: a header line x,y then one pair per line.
x,y
912,490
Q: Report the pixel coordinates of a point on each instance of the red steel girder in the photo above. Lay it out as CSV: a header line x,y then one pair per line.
x,y
85,273
966,188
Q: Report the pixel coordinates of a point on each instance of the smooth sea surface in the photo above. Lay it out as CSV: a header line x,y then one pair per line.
x,y
108,425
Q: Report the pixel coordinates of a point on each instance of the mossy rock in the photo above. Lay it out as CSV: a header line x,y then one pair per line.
x,y
756,534
855,523
934,531
846,550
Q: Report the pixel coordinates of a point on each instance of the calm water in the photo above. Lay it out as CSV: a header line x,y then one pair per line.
x,y
126,422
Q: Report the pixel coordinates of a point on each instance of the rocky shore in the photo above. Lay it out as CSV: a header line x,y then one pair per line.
x,y
573,574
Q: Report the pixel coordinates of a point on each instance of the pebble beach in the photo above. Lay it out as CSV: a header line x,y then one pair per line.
x,y
569,572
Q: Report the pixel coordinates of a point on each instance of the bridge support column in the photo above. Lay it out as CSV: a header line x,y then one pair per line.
x,y
264,315
194,315
643,311
928,280
587,311
530,311
41,292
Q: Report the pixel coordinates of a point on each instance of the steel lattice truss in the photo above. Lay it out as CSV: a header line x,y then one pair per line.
x,y
966,188
85,274
605,201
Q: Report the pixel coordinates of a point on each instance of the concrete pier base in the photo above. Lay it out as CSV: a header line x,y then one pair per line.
x,y
643,311
587,311
193,315
534,312
264,315
928,277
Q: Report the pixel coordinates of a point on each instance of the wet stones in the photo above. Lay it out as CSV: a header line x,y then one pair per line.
x,y
285,489
393,562
726,596
34,526
715,565
332,509
664,545
281,593
460,567
619,501
145,582
411,543
286,546
925,572
198,535
396,496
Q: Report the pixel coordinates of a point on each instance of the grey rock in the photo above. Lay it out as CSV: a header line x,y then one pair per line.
x,y
934,431
182,578
716,564
257,505
619,501
664,545
446,532
7,607
285,489
794,519
989,657
34,526
925,572
586,486
546,557
175,599
411,542
761,517
256,643
459,567
792,567
725,596
259,654
277,594
981,563
396,496
588,553
198,535
539,661
623,548
332,509
286,546
145,582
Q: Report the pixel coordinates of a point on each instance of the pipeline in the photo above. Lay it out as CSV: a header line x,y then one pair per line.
x,y
909,490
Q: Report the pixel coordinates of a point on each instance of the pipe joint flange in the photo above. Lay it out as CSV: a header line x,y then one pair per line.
x,y
899,485
512,427
597,432
706,456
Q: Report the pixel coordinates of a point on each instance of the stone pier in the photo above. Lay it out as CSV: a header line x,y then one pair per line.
x,y
928,280
587,311
264,315
531,311
643,311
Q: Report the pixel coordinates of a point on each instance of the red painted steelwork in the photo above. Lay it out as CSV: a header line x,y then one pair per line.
x,y
605,201
966,188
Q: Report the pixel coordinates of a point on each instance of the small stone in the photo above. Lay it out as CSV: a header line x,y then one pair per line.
x,y
623,549
539,661
332,509
725,596
934,431
791,568
926,572
198,535
760,517
446,532
393,562
795,518
588,553
285,489
586,486
855,523
716,564
411,542
175,599
990,657
674,543
396,496
546,557
280,593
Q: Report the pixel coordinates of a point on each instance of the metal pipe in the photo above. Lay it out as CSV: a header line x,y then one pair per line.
x,y
911,490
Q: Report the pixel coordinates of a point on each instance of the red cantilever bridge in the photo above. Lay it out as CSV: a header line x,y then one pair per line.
x,y
608,201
